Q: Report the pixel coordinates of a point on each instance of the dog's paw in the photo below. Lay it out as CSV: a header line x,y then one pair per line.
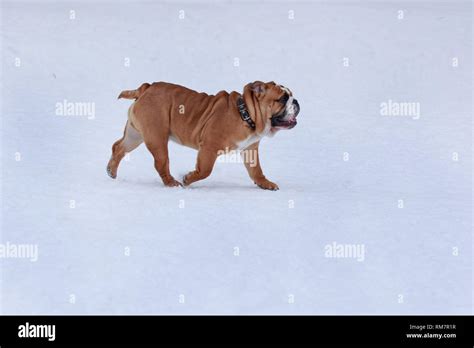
x,y
185,180
110,173
172,183
267,185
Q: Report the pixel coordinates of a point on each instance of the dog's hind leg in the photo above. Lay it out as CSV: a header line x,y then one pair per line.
x,y
130,141
159,149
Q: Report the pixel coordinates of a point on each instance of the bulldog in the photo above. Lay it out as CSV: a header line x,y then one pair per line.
x,y
211,124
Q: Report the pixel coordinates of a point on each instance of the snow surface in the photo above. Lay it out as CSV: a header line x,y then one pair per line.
x,y
187,254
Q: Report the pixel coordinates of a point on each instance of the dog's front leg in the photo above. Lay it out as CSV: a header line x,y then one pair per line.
x,y
205,162
252,163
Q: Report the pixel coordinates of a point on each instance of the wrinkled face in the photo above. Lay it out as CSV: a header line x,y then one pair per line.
x,y
288,107
276,103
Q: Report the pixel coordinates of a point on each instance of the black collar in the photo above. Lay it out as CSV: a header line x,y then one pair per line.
x,y
244,114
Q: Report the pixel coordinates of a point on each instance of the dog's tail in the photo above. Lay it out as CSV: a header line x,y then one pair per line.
x,y
134,94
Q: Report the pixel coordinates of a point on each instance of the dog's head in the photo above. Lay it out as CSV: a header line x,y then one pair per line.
x,y
272,106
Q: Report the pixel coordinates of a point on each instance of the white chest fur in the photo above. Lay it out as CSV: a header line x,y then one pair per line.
x,y
252,139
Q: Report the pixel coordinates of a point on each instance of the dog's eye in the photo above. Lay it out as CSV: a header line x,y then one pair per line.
x,y
284,99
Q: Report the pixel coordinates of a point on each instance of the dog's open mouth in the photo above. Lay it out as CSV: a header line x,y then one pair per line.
x,y
284,122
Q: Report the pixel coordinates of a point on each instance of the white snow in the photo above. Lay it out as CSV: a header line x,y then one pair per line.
x,y
342,169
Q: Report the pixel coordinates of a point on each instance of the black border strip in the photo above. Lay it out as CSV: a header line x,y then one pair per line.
x,y
287,330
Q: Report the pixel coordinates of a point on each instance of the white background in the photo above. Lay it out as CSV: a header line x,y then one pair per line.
x,y
190,251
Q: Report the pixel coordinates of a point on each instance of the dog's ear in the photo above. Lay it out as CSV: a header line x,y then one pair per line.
x,y
258,88
253,97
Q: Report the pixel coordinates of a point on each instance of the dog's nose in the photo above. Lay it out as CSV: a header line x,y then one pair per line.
x,y
297,106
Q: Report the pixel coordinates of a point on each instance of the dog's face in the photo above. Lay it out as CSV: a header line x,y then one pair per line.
x,y
273,106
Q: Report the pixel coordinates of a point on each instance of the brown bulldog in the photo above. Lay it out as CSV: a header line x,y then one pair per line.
x,y
211,124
